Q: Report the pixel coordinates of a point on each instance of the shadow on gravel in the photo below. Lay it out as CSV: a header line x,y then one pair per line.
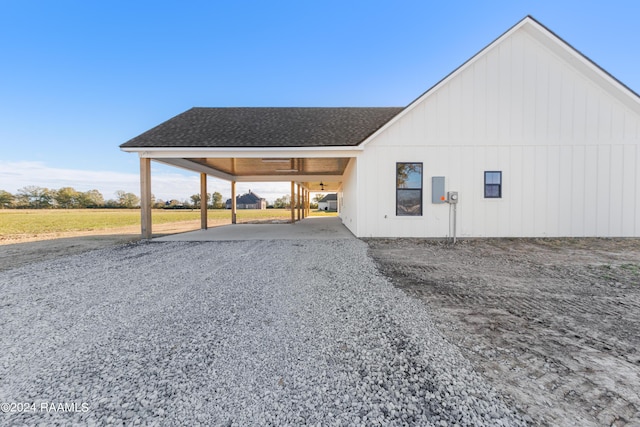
x,y
19,254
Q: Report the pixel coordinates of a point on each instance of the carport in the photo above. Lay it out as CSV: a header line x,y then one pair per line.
x,y
308,147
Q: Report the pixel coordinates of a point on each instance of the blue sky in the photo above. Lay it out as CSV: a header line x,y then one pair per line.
x,y
78,78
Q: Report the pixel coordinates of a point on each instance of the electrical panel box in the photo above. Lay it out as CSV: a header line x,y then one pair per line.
x,y
437,190
452,197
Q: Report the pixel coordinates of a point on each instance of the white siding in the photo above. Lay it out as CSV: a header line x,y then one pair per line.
x,y
567,146
348,197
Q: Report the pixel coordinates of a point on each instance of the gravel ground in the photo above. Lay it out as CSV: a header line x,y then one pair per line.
x,y
228,333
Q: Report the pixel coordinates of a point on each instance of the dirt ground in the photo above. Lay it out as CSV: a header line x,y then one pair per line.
x,y
554,324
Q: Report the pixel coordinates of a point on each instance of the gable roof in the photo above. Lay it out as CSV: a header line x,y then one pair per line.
x,y
555,44
265,127
328,197
249,198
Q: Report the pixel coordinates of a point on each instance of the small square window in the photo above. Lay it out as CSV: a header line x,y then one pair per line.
x,y
493,185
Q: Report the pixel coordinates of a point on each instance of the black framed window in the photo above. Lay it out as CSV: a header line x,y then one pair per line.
x,y
492,184
408,189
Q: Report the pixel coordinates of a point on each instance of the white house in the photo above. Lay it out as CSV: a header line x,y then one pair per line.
x,y
328,202
248,200
536,139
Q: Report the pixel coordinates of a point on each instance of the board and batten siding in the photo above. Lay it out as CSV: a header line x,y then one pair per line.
x,y
567,143
348,197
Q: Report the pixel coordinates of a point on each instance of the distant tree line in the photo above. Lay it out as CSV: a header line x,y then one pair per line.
x,y
284,202
34,197
214,201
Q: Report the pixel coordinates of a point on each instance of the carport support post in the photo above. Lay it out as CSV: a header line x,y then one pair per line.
x,y
233,202
203,201
299,204
145,198
293,206
304,203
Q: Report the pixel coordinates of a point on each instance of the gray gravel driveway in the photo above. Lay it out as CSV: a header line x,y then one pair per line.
x,y
240,333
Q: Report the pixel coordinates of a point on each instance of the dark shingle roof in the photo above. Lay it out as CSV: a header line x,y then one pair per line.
x,y
266,127
328,197
249,198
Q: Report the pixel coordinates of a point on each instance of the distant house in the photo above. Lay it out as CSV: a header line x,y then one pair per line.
x,y
175,204
248,201
329,203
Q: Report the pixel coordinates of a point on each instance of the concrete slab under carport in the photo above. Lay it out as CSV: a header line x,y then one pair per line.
x,y
324,228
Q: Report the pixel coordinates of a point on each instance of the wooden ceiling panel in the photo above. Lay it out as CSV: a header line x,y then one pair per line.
x,y
274,166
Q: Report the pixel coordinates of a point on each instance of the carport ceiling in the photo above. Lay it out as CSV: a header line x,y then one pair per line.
x,y
297,167
315,174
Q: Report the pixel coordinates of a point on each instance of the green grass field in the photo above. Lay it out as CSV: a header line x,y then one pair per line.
x,y
33,222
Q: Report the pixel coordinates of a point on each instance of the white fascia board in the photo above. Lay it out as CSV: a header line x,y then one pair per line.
x,y
583,64
277,152
196,167
289,178
445,80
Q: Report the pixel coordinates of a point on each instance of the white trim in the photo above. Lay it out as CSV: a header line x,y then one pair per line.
x,y
586,65
231,152
583,65
444,81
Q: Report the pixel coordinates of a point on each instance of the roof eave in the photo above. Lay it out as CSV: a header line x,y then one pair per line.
x,y
445,80
248,152
586,65
630,98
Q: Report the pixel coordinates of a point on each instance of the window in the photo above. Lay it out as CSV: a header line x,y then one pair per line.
x,y
492,185
408,189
